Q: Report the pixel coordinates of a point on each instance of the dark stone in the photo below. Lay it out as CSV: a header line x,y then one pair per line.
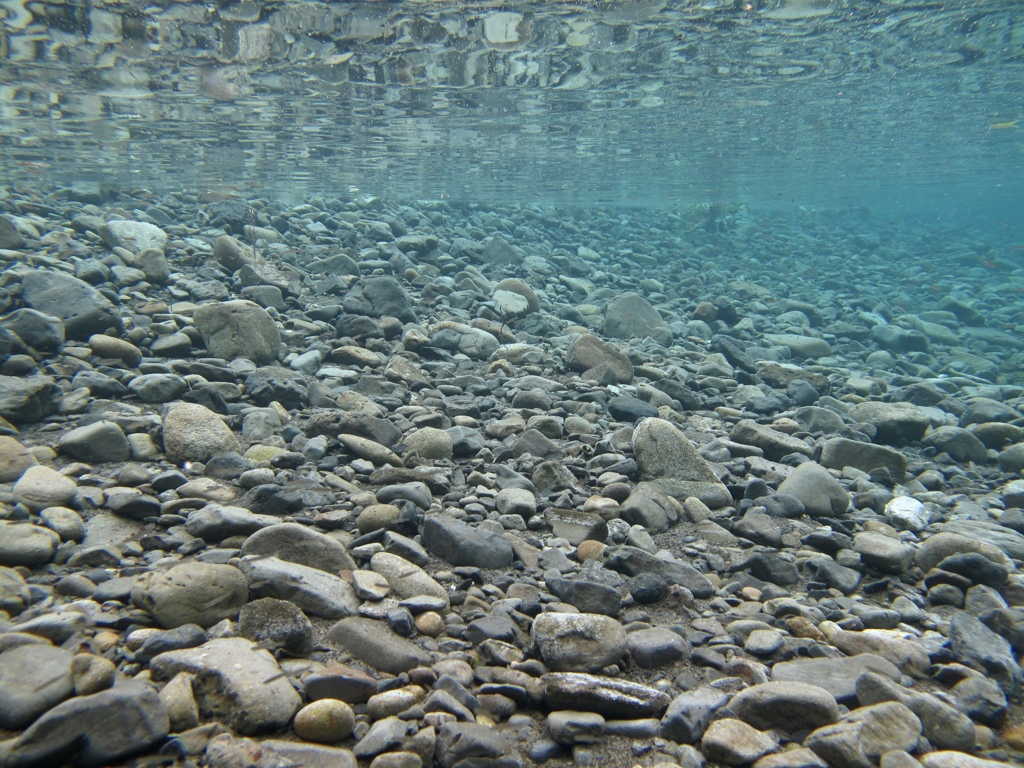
x,y
185,636
270,383
83,309
977,646
630,409
588,596
461,544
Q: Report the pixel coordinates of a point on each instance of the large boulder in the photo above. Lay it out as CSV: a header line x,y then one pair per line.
x,y
193,432
240,328
668,459
83,309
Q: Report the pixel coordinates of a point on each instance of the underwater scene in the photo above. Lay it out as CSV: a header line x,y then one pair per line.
x,y
597,384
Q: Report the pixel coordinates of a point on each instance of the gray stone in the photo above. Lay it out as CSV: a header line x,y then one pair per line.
x,y
276,624
689,714
14,592
461,544
34,679
42,332
576,526
470,745
977,646
652,507
300,544
83,309
633,561
405,578
235,683
215,523
656,647
578,642
775,444
895,423
865,735
588,352
98,443
733,742
666,457
788,706
134,236
631,316
26,544
587,596
839,452
961,445
373,643
378,297
191,593
316,592
882,552
26,401
233,329
158,387
15,458
97,730
837,676
193,432
820,492
609,697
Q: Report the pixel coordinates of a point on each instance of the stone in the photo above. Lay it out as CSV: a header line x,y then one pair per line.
x,y
300,544
101,442
633,561
571,727
14,592
907,514
961,445
430,443
821,494
612,698
83,309
840,452
788,706
276,624
26,544
883,553
733,742
863,736
461,544
895,423
193,432
232,329
91,674
406,579
158,387
666,457
773,443
587,352
28,400
325,721
631,316
134,236
471,745
235,683
373,643
15,458
908,655
689,714
578,642
939,546
41,332
214,523
837,676
34,679
112,348
95,730
316,592
656,647
378,297
191,593
977,646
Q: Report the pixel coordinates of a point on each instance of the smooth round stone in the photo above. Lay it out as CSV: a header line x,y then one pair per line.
x,y
324,721
193,432
764,642
67,523
430,443
91,674
41,487
430,624
97,443
115,349
157,387
733,742
15,458
397,760
26,544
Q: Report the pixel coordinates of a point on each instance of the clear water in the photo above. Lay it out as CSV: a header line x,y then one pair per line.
x,y
897,109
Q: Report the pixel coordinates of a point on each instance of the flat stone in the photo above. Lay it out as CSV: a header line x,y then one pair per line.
x,y
461,544
837,676
578,642
733,742
373,643
42,487
788,706
300,544
316,592
236,683
34,679
191,593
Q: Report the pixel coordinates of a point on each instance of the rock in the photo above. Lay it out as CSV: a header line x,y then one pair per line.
x,y
193,432
631,316
26,544
373,643
587,596
865,735
134,236
943,725
461,544
733,742
840,452
95,730
587,352
232,329
907,514
689,714
883,553
300,544
14,592
895,423
10,237
788,706
571,727
235,683
325,721
379,297
406,579
466,745
656,647
908,655
34,679
157,387
15,458
609,697
939,546
430,443
26,401
820,493
578,642
316,592
276,624
775,444
113,348
41,332
977,646
667,458
960,444
191,593
83,309
837,676
214,523
633,561
101,442
949,759
91,674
